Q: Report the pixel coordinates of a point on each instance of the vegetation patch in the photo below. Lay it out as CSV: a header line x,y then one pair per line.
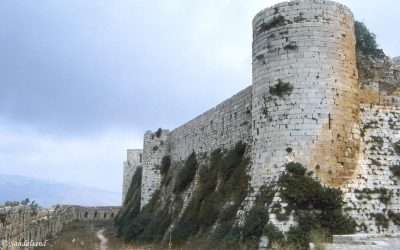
x,y
275,22
366,41
3,218
385,196
165,165
396,147
158,133
290,46
187,174
131,206
381,220
151,223
395,217
273,233
254,225
210,204
257,218
260,57
378,140
371,124
395,170
209,220
315,206
281,89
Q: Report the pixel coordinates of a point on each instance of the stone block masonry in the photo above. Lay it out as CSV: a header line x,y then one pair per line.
x,y
134,160
373,196
303,106
155,147
22,223
220,127
309,47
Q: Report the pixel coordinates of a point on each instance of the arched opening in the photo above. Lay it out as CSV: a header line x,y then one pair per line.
x,y
105,216
86,215
95,215
112,215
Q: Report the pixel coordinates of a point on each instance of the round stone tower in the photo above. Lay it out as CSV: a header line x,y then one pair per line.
x,y
305,90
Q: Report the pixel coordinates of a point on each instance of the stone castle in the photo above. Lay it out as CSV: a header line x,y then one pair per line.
x,y
313,100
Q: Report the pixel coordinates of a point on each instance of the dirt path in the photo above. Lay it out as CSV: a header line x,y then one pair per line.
x,y
103,239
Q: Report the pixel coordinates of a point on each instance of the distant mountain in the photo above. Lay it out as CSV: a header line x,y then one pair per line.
x,y
397,59
48,193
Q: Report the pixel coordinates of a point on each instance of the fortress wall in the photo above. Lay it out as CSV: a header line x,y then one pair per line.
x,y
310,45
18,224
94,213
154,149
365,195
220,127
134,160
379,80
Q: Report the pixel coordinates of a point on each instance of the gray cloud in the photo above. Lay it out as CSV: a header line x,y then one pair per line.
x,y
96,74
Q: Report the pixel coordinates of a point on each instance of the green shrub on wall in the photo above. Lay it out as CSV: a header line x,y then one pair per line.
x,y
395,170
206,207
165,165
281,89
315,206
158,133
187,174
366,40
209,220
131,206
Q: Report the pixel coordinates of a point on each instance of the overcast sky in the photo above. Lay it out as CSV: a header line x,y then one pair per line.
x,y
81,80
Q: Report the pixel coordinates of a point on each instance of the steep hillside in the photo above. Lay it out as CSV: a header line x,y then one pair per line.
x,y
201,204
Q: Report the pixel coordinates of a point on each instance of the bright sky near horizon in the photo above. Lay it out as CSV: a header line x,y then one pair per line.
x,y
81,81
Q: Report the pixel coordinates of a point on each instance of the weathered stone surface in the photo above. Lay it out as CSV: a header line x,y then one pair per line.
x,y
379,80
375,189
318,119
20,223
313,101
134,160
